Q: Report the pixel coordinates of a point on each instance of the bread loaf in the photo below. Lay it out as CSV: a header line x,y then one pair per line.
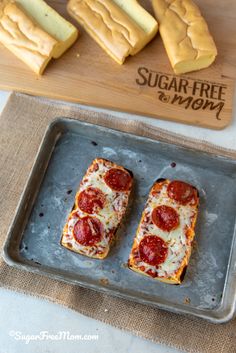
x,y
52,23
185,35
121,28
23,37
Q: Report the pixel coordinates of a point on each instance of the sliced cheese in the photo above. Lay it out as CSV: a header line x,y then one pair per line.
x,y
24,38
185,35
121,28
52,23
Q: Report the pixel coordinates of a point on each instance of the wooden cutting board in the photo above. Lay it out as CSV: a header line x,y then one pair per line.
x,y
145,84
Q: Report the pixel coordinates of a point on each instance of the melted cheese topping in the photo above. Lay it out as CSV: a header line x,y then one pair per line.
x,y
179,245
101,247
110,215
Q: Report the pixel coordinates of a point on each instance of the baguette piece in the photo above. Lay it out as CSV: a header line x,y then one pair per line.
x,y
139,15
163,242
185,35
100,205
52,23
120,27
23,37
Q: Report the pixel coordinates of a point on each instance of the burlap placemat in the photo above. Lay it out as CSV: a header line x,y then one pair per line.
x,y
22,125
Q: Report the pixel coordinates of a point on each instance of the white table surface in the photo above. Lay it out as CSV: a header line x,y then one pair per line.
x,y
22,316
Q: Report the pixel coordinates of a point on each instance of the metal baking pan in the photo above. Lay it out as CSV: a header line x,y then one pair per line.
x,y
68,147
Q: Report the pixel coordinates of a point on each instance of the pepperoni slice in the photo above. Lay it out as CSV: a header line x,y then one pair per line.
x,y
91,200
165,217
181,192
118,179
153,250
88,231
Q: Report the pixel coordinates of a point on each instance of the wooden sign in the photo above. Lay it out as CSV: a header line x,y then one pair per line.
x,y
145,84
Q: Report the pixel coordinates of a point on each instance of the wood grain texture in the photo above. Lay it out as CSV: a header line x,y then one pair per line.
x,y
145,84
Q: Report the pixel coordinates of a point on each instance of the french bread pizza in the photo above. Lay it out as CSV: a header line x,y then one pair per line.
x,y
163,242
100,205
